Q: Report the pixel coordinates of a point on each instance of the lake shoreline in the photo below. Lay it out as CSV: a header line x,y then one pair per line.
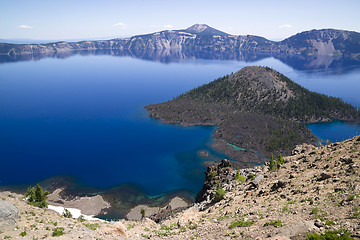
x,y
241,129
89,207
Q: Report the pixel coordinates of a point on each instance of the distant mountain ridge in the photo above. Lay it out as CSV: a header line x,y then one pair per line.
x,y
323,42
201,37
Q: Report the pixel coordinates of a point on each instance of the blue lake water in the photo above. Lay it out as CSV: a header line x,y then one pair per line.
x,y
335,131
83,117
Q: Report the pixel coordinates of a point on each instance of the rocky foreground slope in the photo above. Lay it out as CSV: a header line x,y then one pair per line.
x,y
315,190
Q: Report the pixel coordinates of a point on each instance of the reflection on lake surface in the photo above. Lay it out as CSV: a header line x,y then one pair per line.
x,y
297,62
80,114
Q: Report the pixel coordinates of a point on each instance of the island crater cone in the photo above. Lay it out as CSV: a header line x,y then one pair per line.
x,y
258,113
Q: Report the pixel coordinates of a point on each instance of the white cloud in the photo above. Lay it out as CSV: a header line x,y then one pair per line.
x,y
168,26
120,24
24,26
286,26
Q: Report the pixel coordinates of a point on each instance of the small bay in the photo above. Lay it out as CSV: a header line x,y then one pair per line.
x,y
335,131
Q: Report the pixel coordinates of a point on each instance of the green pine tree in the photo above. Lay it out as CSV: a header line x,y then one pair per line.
x,y
36,196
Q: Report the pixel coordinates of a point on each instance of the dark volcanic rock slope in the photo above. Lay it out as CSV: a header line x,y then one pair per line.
x,y
258,111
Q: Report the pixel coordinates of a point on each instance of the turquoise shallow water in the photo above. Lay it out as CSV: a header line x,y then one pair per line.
x,y
82,117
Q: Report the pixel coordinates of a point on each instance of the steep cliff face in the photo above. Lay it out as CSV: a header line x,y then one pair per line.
x,y
15,49
200,37
322,42
161,40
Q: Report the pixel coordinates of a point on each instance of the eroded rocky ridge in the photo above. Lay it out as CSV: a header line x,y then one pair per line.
x,y
200,37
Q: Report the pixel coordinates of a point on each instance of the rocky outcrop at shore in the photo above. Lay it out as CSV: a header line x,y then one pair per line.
x,y
221,175
87,205
157,214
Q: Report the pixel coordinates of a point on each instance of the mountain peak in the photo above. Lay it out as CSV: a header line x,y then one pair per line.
x,y
198,28
203,29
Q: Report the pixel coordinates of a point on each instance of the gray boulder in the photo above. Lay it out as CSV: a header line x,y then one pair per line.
x,y
277,185
9,215
346,159
258,179
302,148
254,184
324,176
297,229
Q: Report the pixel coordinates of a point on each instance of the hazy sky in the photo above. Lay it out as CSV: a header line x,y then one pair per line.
x,y
102,19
